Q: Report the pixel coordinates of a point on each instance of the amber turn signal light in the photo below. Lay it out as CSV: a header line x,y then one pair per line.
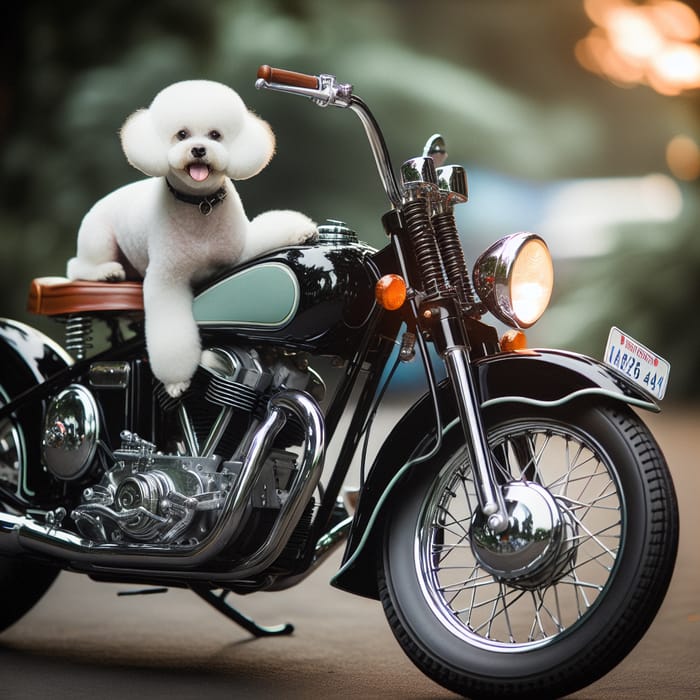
x,y
513,340
390,292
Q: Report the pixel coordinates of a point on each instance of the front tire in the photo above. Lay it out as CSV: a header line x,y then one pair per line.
x,y
571,612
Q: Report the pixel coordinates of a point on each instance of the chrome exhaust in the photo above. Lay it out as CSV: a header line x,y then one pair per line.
x,y
21,534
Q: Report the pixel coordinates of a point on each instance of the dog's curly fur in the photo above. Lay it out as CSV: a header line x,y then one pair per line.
x,y
199,135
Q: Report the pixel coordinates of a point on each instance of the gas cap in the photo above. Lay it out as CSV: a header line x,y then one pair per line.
x,y
336,232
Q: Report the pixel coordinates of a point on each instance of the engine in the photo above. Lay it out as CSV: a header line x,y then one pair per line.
x,y
151,497
177,495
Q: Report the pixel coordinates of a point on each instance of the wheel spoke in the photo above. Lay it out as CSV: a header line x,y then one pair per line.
x,y
526,610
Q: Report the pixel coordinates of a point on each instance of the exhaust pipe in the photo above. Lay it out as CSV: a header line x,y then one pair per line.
x,y
20,534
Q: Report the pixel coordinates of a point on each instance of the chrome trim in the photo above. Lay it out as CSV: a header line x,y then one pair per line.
x,y
108,374
336,232
419,172
436,149
70,433
452,182
492,272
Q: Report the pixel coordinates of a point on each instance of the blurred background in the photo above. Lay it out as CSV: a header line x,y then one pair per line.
x,y
579,120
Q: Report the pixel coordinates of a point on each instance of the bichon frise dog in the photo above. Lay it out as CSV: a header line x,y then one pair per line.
x,y
187,221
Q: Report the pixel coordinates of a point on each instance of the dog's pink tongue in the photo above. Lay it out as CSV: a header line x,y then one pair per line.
x,y
198,172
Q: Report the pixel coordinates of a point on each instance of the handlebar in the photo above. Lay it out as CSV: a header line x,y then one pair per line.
x,y
325,90
288,77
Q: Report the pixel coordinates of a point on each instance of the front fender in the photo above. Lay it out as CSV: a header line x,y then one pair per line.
x,y
551,378
535,377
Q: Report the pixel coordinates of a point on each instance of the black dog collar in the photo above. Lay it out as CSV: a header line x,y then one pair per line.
x,y
205,203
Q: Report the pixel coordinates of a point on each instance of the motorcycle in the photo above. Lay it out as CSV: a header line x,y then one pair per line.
x,y
518,524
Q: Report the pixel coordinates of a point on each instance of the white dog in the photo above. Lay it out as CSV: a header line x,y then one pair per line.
x,y
187,221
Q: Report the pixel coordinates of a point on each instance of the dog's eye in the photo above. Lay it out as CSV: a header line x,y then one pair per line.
x,y
214,135
182,135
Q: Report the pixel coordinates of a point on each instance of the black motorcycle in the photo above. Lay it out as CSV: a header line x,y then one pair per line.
x,y
518,524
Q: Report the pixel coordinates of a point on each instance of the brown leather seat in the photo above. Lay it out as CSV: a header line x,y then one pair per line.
x,y
58,296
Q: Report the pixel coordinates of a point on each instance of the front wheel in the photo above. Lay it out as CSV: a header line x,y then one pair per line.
x,y
556,601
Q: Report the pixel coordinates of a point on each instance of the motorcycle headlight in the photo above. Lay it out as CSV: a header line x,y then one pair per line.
x,y
514,279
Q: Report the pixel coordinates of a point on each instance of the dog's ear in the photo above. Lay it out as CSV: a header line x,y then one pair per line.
x,y
252,149
143,145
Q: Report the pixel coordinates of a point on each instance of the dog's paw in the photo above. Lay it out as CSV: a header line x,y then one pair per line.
x,y
177,389
304,231
310,236
111,272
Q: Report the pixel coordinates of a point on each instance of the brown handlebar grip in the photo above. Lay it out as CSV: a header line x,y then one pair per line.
x,y
287,77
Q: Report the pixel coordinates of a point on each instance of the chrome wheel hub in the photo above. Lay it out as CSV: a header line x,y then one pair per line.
x,y
537,546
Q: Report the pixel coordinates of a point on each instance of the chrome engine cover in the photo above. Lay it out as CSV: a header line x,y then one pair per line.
x,y
151,497
71,429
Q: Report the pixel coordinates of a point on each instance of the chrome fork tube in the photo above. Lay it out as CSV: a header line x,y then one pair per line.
x,y
488,492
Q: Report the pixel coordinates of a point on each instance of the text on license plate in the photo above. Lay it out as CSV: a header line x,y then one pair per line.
x,y
637,362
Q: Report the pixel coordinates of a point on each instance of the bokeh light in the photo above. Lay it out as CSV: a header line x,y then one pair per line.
x,y
652,43
683,157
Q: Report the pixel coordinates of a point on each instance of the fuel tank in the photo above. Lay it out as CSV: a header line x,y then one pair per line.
x,y
316,297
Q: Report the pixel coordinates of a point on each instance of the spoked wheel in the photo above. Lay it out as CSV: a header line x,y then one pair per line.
x,y
564,594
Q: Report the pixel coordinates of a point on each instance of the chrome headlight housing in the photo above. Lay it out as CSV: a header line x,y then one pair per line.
x,y
514,279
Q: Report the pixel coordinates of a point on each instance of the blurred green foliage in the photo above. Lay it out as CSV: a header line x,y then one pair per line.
x,y
649,286
498,79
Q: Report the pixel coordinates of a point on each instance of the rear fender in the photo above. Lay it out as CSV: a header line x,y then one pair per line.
x,y
27,359
534,377
31,353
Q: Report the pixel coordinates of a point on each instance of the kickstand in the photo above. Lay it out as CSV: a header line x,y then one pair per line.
x,y
218,602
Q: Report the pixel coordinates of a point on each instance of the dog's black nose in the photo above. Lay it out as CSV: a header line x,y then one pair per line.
x,y
199,151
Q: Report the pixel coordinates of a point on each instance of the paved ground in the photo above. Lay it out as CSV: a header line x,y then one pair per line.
x,y
81,641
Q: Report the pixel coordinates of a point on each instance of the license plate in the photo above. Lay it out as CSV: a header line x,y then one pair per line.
x,y
637,362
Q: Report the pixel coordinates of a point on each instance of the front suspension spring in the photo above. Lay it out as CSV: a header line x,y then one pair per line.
x,y
453,256
425,246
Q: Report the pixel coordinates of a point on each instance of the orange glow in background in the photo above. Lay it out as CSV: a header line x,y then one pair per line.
x,y
654,42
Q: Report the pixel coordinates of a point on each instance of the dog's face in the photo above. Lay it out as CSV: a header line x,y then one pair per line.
x,y
197,132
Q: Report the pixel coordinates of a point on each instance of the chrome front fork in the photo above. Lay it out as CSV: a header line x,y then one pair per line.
x,y
488,492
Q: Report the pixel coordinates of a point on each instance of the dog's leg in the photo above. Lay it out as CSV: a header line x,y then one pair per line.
x,y
97,255
277,229
172,336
